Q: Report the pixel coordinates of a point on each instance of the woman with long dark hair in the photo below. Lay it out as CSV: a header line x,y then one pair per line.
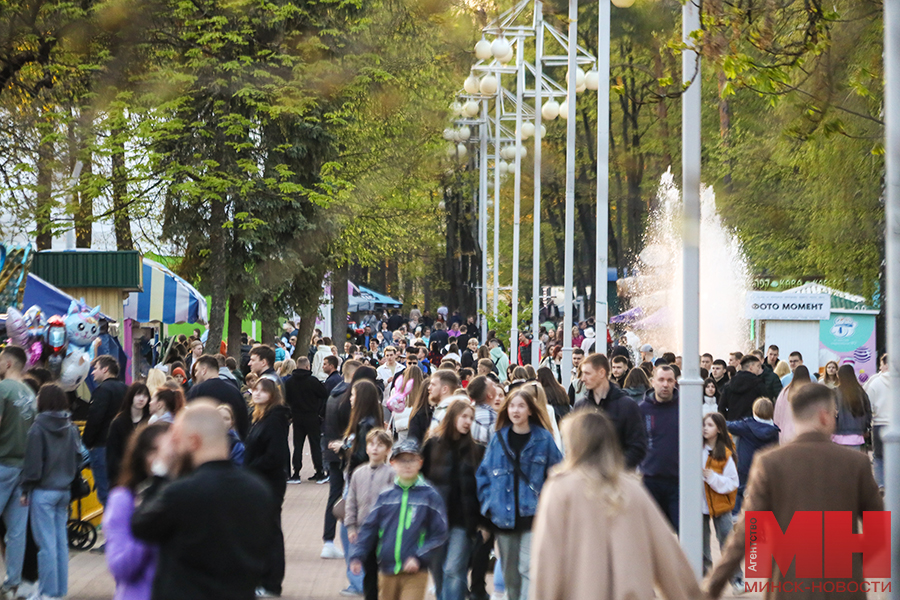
x,y
784,417
636,384
556,393
165,404
710,396
515,466
365,414
131,562
135,411
720,484
854,412
51,462
266,453
450,459
593,515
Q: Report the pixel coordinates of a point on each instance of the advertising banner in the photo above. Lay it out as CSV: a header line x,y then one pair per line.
x,y
787,306
849,339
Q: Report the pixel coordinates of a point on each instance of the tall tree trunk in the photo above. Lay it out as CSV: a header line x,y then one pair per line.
x,y
340,301
44,201
121,216
84,216
216,272
307,326
235,313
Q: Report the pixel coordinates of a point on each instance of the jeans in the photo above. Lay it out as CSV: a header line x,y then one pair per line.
x,y
878,453
723,525
499,583
356,581
335,490
515,552
15,517
450,566
665,491
307,425
98,470
50,510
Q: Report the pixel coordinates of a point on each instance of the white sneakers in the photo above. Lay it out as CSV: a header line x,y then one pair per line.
x,y
329,550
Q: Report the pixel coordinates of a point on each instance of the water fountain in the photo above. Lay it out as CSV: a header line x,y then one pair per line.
x,y
657,285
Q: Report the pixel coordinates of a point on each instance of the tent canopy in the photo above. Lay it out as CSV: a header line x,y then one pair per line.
x,y
51,299
167,298
363,298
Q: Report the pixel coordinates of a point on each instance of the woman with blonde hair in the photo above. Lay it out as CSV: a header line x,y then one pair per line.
x,y
510,479
830,378
155,380
598,533
287,367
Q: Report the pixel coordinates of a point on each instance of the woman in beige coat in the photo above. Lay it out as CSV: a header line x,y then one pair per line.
x,y
598,534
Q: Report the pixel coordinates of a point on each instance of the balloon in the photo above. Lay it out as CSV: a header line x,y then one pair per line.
x,y
82,327
397,402
34,352
15,326
75,369
35,322
55,334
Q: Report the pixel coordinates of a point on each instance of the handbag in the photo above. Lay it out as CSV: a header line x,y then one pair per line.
x,y
339,510
80,488
515,461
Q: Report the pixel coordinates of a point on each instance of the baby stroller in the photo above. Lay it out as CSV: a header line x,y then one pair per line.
x,y
82,533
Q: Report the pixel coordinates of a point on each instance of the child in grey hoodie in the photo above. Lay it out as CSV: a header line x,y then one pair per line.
x,y
367,482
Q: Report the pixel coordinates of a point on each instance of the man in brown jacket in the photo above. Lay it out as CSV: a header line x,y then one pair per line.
x,y
809,474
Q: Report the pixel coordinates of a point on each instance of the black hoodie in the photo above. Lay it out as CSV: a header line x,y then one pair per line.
x,y
51,453
737,398
305,393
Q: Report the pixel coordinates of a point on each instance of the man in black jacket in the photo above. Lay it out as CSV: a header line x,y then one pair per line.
x,y
306,396
106,399
615,404
336,419
737,398
211,545
333,377
208,384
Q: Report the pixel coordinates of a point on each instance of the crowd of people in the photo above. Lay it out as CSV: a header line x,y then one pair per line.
x,y
446,457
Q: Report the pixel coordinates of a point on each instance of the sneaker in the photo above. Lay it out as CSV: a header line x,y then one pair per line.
x,y
262,592
323,478
329,550
738,586
317,476
295,478
350,592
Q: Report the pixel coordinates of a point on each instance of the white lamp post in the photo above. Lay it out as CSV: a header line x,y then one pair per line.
x,y
536,220
892,267
691,386
569,253
517,199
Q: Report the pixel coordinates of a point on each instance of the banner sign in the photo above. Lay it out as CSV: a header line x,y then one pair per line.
x,y
787,306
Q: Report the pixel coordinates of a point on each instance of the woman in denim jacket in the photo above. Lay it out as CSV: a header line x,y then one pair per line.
x,y
510,478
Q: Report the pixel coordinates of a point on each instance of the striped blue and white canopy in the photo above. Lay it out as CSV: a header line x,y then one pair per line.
x,y
167,298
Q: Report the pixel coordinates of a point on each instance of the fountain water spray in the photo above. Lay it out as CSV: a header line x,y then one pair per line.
x,y
657,286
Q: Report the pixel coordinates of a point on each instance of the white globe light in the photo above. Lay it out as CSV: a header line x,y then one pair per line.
x,y
503,167
507,57
527,130
550,110
500,47
454,137
543,131
451,150
483,50
461,150
449,134
456,108
509,153
464,133
523,152
580,88
622,3
564,109
488,85
470,108
579,76
592,80
471,84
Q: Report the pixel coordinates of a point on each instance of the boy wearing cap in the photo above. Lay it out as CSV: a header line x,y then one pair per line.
x,y
408,522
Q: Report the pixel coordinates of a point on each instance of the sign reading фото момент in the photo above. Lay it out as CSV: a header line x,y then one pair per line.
x,y
787,306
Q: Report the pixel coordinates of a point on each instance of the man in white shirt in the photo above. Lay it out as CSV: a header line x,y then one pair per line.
x,y
389,369
879,390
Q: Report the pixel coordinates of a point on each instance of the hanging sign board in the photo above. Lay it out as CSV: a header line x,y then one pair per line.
x,y
787,306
